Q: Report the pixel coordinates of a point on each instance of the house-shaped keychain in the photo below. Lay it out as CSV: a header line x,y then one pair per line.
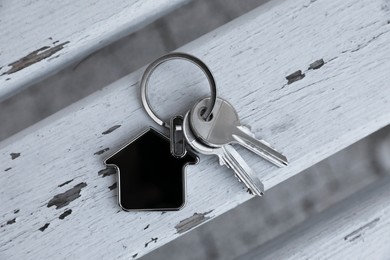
x,y
149,176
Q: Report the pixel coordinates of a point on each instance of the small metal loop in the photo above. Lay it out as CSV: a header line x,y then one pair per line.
x,y
176,55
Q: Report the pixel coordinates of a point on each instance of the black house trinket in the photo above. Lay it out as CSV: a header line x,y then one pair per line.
x,y
149,176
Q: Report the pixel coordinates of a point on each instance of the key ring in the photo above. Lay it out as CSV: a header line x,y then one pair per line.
x,y
176,55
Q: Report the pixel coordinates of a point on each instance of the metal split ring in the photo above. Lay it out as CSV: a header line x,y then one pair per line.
x,y
176,55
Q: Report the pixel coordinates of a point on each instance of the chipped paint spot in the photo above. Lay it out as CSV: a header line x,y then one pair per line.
x,y
151,240
44,227
14,155
191,222
298,75
135,255
63,199
67,182
101,151
12,221
146,227
6,170
360,231
111,129
34,57
16,211
113,186
317,64
65,214
107,172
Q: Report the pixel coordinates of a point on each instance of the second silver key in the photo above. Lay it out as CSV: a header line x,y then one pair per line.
x,y
227,156
224,127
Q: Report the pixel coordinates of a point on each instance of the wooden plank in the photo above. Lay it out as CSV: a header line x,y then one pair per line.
x,y
38,38
356,228
56,166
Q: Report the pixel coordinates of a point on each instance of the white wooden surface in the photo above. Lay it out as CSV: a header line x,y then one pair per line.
x,y
330,108
38,38
357,228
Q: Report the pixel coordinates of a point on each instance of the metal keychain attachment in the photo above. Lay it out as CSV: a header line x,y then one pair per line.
x,y
175,124
176,136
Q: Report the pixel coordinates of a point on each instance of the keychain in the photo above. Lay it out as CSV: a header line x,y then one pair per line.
x,y
154,179
151,167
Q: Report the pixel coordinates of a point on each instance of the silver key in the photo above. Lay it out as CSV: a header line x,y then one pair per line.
x,y
224,127
227,156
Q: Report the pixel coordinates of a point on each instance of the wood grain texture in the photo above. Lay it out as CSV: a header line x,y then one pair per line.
x,y
356,228
38,38
310,119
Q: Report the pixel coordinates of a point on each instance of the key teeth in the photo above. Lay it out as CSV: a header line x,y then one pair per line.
x,y
252,193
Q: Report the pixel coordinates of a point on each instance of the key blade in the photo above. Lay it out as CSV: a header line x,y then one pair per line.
x,y
242,170
263,150
260,148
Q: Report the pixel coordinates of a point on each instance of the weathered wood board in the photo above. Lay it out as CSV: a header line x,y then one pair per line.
x,y
58,200
38,38
357,228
